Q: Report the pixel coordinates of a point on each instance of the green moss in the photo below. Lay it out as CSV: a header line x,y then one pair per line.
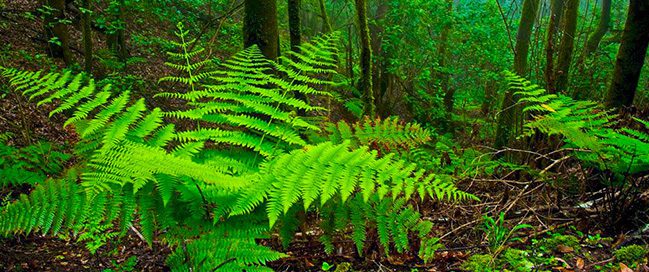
x,y
478,263
632,254
516,260
556,240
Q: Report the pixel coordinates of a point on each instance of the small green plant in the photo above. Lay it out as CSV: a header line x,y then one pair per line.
x,y
631,255
498,234
326,266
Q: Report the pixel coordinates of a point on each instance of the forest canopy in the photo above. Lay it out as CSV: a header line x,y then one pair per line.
x,y
324,135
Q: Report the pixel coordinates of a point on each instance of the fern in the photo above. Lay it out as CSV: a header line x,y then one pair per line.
x,y
388,134
247,95
29,165
188,51
585,126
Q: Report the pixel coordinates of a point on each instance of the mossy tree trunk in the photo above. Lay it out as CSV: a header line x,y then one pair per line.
x,y
602,27
562,74
87,35
56,29
553,27
365,84
260,27
507,118
326,24
631,56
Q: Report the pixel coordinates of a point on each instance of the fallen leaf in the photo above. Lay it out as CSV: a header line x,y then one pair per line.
x,y
580,263
624,268
565,249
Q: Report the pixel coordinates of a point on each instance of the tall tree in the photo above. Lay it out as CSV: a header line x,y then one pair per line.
x,y
117,37
600,31
631,56
56,29
326,24
553,27
260,27
365,84
87,35
507,117
562,74
294,24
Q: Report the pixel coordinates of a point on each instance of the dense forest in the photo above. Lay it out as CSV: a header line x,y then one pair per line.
x,y
324,135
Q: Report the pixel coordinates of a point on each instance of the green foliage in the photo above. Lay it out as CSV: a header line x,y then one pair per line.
x,y
248,96
555,241
389,134
498,234
586,127
631,255
29,165
191,74
478,263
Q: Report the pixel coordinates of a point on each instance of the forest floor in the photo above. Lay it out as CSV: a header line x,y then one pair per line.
x,y
525,200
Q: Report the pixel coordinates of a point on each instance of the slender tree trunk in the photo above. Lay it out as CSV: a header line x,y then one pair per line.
x,y
562,74
602,28
350,52
326,24
87,35
260,27
56,29
117,40
507,116
553,27
489,93
365,84
294,24
631,56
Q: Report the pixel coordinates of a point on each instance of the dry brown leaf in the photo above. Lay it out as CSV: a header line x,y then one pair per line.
x,y
624,268
579,263
565,249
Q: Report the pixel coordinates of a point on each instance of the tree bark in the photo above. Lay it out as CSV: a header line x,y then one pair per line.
x,y
117,40
507,116
562,74
294,24
365,84
87,35
260,27
600,31
553,27
56,29
631,56
326,24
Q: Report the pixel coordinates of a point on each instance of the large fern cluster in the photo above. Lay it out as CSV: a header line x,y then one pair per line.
x,y
195,189
585,126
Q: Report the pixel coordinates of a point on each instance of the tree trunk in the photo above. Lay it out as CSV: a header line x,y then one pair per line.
x,y
117,40
365,84
326,24
294,24
507,116
87,36
56,29
562,74
260,27
553,27
602,28
630,57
